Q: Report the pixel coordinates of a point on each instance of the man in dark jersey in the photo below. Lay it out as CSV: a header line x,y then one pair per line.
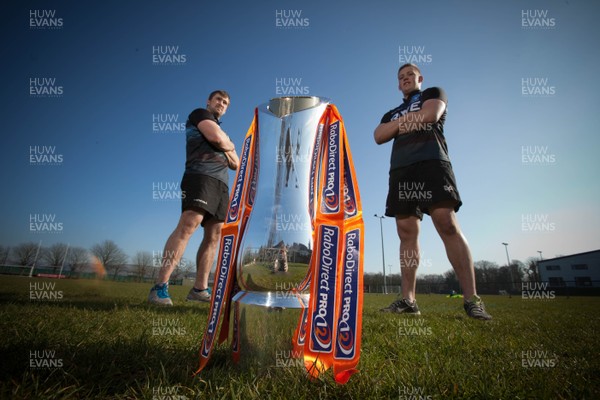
x,y
205,197
422,181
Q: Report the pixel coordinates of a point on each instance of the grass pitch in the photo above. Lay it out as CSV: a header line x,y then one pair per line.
x,y
80,339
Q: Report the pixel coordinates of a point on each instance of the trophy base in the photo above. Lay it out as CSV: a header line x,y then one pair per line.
x,y
266,325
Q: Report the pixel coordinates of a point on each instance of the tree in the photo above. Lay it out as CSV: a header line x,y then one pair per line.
x,y
519,272
143,264
26,253
451,280
187,268
184,267
4,253
430,283
486,277
531,269
77,259
156,264
54,255
110,256
393,279
505,278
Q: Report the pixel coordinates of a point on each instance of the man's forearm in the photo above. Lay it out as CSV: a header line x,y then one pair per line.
x,y
416,121
224,143
385,132
232,159
215,135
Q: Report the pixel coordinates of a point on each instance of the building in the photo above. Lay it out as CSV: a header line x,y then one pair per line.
x,y
580,270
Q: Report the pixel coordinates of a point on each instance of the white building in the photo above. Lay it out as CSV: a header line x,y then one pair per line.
x,y
580,270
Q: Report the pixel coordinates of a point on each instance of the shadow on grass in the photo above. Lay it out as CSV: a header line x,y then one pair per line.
x,y
106,369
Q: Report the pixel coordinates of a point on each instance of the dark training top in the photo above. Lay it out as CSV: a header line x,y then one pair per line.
x,y
427,141
202,157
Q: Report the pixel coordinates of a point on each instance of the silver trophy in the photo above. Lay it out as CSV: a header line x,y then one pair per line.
x,y
276,248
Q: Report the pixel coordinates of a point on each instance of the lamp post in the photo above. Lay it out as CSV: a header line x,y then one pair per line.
x,y
541,258
512,280
382,252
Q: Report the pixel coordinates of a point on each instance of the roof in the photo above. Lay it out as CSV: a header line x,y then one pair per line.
x,y
571,255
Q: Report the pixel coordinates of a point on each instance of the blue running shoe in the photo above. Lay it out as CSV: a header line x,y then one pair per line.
x,y
159,294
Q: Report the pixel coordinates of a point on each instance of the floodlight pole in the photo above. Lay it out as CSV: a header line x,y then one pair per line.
x,y
512,279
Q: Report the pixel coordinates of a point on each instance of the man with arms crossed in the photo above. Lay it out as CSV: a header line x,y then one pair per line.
x,y
205,198
422,181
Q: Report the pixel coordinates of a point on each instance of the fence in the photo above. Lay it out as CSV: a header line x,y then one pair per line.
x,y
520,289
52,272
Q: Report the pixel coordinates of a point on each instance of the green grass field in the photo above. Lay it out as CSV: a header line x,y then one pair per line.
x,y
82,339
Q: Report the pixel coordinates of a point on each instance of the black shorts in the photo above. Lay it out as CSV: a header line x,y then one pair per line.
x,y
204,193
415,188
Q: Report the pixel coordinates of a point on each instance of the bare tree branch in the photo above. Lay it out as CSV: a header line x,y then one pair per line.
x,y
110,256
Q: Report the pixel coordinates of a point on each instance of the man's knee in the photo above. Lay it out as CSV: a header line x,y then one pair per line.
x,y
212,233
408,228
445,221
189,222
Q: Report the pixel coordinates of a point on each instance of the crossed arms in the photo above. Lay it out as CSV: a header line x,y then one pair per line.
x,y
430,112
218,138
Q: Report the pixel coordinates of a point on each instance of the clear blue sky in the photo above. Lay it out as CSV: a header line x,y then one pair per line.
x,y
100,58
